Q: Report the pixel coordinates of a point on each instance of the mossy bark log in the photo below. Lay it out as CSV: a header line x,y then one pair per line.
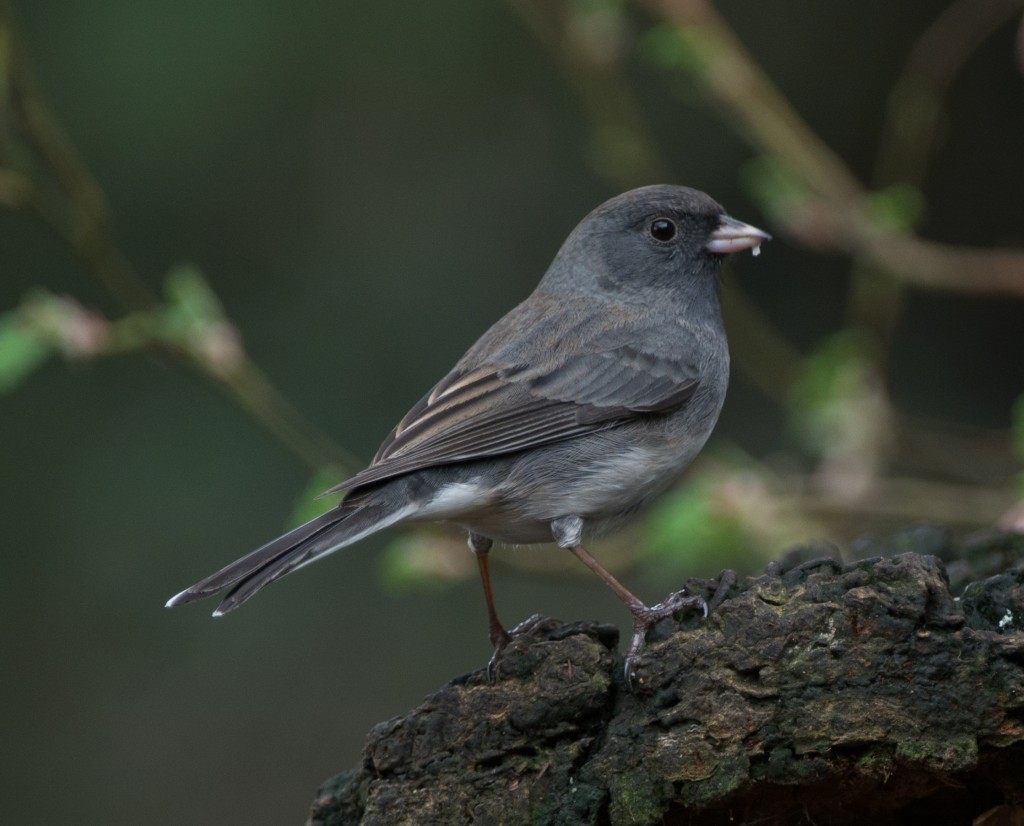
x,y
825,693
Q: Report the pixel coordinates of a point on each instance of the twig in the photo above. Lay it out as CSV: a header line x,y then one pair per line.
x,y
913,112
762,354
835,213
260,398
83,223
907,499
589,53
87,227
915,103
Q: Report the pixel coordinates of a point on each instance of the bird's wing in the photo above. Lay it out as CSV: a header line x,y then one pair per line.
x,y
612,383
500,409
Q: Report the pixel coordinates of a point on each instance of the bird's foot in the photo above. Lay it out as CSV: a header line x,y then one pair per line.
x,y
645,618
500,638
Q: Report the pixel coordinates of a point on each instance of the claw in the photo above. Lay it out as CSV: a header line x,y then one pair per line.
x,y
645,618
501,641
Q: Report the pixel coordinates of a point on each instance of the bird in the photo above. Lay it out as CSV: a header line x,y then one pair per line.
x,y
573,411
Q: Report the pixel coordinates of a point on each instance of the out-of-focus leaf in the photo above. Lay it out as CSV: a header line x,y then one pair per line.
x,y
685,526
824,369
21,352
900,207
192,306
840,412
307,506
423,558
820,399
1018,426
672,47
194,319
733,513
773,184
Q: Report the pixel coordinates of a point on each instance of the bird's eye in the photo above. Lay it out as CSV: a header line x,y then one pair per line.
x,y
662,229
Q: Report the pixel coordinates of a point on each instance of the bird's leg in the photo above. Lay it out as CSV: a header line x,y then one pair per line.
x,y
481,546
567,531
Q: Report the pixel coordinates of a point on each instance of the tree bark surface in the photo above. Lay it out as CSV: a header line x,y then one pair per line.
x,y
815,693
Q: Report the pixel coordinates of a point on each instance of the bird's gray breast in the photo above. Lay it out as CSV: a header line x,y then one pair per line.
x,y
606,476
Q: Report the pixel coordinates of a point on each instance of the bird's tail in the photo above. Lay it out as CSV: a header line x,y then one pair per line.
x,y
325,534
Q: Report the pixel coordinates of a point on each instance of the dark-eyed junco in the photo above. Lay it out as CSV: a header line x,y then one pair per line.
x,y
574,410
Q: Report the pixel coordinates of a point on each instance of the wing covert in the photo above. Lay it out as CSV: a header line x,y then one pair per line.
x,y
498,409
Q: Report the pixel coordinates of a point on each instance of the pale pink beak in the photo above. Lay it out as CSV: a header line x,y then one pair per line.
x,y
735,236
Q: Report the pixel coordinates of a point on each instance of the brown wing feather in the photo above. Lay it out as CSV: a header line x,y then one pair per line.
x,y
495,410
469,424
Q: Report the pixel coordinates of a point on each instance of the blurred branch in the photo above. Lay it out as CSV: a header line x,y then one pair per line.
x,y
915,104
833,211
721,63
913,113
969,453
856,434
75,209
818,200
588,45
907,499
83,223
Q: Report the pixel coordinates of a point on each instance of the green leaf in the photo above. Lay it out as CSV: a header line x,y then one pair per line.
x,y
900,207
1018,427
685,526
21,352
425,559
773,184
307,505
663,47
192,306
690,48
832,378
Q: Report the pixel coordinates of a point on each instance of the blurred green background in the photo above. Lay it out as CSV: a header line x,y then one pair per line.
x,y
366,188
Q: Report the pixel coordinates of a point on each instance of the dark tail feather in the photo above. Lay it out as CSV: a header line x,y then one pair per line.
x,y
320,536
